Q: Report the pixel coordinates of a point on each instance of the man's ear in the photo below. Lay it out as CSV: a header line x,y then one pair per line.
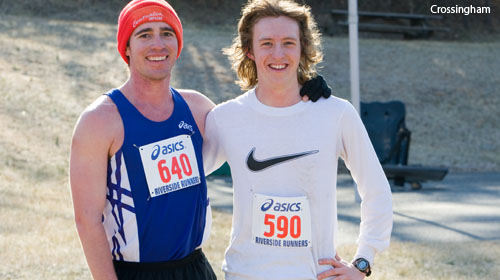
x,y
250,55
127,51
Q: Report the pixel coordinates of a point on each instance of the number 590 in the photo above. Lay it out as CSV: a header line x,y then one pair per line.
x,y
283,226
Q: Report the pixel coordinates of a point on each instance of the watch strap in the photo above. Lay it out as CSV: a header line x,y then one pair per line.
x,y
363,265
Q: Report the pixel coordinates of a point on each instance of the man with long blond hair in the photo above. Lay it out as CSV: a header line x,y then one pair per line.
x,y
283,155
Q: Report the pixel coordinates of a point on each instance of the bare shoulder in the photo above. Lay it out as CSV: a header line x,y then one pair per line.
x,y
100,114
199,105
196,99
99,124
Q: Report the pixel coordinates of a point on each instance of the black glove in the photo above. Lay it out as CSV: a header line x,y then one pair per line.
x,y
316,88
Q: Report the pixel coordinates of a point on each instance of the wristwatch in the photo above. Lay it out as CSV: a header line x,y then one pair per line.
x,y
362,265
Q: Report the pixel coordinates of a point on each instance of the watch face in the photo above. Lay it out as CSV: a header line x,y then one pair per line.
x,y
362,264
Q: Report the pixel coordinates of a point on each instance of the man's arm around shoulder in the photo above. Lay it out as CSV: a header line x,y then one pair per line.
x,y
92,140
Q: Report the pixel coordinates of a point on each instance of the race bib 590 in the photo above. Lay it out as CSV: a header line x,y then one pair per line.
x,y
170,165
281,221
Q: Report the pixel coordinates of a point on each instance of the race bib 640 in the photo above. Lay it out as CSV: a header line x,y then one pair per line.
x,y
170,165
283,222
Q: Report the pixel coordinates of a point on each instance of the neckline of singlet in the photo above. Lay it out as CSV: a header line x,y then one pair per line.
x,y
175,98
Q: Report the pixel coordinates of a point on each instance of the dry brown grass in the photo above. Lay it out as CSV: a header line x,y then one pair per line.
x,y
440,261
49,71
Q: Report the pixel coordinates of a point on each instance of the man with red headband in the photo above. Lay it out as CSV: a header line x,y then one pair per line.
x,y
136,168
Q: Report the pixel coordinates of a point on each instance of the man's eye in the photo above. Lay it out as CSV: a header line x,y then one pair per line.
x,y
168,34
144,35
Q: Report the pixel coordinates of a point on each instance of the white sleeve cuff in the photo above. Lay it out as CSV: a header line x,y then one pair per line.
x,y
365,252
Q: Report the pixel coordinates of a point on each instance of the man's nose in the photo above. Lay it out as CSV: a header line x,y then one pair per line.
x,y
278,51
158,42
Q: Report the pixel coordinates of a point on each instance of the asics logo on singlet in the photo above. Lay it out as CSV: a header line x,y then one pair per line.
x,y
183,125
280,207
170,148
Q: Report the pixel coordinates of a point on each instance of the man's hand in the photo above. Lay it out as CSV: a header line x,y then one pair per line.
x,y
342,270
314,89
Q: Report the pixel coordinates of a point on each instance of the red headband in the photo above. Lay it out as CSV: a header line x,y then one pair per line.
x,y
138,12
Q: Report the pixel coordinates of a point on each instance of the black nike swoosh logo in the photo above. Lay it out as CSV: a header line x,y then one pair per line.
x,y
258,165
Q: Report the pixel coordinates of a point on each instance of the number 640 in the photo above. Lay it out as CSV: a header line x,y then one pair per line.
x,y
175,168
283,226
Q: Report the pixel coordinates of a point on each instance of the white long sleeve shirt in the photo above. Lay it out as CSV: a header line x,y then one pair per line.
x,y
289,156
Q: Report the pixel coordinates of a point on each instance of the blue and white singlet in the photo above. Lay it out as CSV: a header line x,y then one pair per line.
x,y
156,207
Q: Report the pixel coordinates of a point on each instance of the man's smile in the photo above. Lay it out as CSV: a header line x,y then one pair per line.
x,y
156,58
278,66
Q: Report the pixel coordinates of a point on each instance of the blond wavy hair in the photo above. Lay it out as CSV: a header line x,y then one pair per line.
x,y
254,10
